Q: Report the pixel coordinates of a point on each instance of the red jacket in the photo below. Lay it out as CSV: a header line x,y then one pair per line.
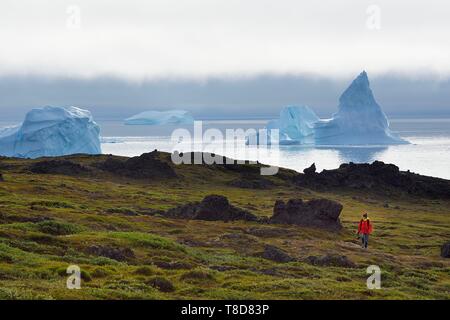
x,y
365,227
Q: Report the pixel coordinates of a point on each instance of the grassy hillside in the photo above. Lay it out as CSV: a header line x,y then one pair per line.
x,y
51,221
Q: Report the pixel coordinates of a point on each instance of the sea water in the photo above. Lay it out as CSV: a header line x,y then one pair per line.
x,y
428,153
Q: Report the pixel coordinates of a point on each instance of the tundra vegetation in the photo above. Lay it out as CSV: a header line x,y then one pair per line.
x,y
109,215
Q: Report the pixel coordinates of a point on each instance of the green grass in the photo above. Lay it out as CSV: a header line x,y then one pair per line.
x,y
48,222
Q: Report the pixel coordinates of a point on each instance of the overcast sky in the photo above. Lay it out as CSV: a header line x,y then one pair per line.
x,y
198,50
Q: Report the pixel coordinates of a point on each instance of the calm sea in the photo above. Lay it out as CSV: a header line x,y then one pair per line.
x,y
428,153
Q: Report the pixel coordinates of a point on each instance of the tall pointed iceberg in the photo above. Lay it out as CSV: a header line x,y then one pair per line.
x,y
358,121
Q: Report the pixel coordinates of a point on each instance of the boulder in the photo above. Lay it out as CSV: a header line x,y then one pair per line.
x,y
161,284
119,254
331,260
321,213
211,208
216,207
445,250
175,265
276,254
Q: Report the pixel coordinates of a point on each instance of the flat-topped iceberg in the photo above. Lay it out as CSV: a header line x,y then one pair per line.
x,y
52,131
359,121
161,118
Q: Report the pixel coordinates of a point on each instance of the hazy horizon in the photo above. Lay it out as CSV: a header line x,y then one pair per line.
x,y
227,98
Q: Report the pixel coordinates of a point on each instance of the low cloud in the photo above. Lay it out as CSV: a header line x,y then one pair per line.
x,y
139,40
250,97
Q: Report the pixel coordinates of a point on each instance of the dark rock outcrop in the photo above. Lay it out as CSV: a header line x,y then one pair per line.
x,y
147,165
63,167
162,284
215,207
211,208
1,178
175,265
331,261
215,161
276,254
223,268
378,177
321,213
445,250
119,254
311,170
11,218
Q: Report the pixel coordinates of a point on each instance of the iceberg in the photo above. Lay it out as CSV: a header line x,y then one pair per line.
x,y
295,125
161,118
358,121
52,131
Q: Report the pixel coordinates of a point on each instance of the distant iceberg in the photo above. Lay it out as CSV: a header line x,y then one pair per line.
x,y
52,131
359,121
295,125
161,118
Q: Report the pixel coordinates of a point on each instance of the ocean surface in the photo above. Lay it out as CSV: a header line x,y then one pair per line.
x,y
428,153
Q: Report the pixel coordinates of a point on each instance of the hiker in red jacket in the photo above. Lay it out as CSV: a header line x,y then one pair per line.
x,y
364,229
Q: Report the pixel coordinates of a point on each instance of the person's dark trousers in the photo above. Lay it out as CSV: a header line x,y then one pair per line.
x,y
365,240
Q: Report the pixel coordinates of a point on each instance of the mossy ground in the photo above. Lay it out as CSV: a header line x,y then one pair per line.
x,y
101,210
